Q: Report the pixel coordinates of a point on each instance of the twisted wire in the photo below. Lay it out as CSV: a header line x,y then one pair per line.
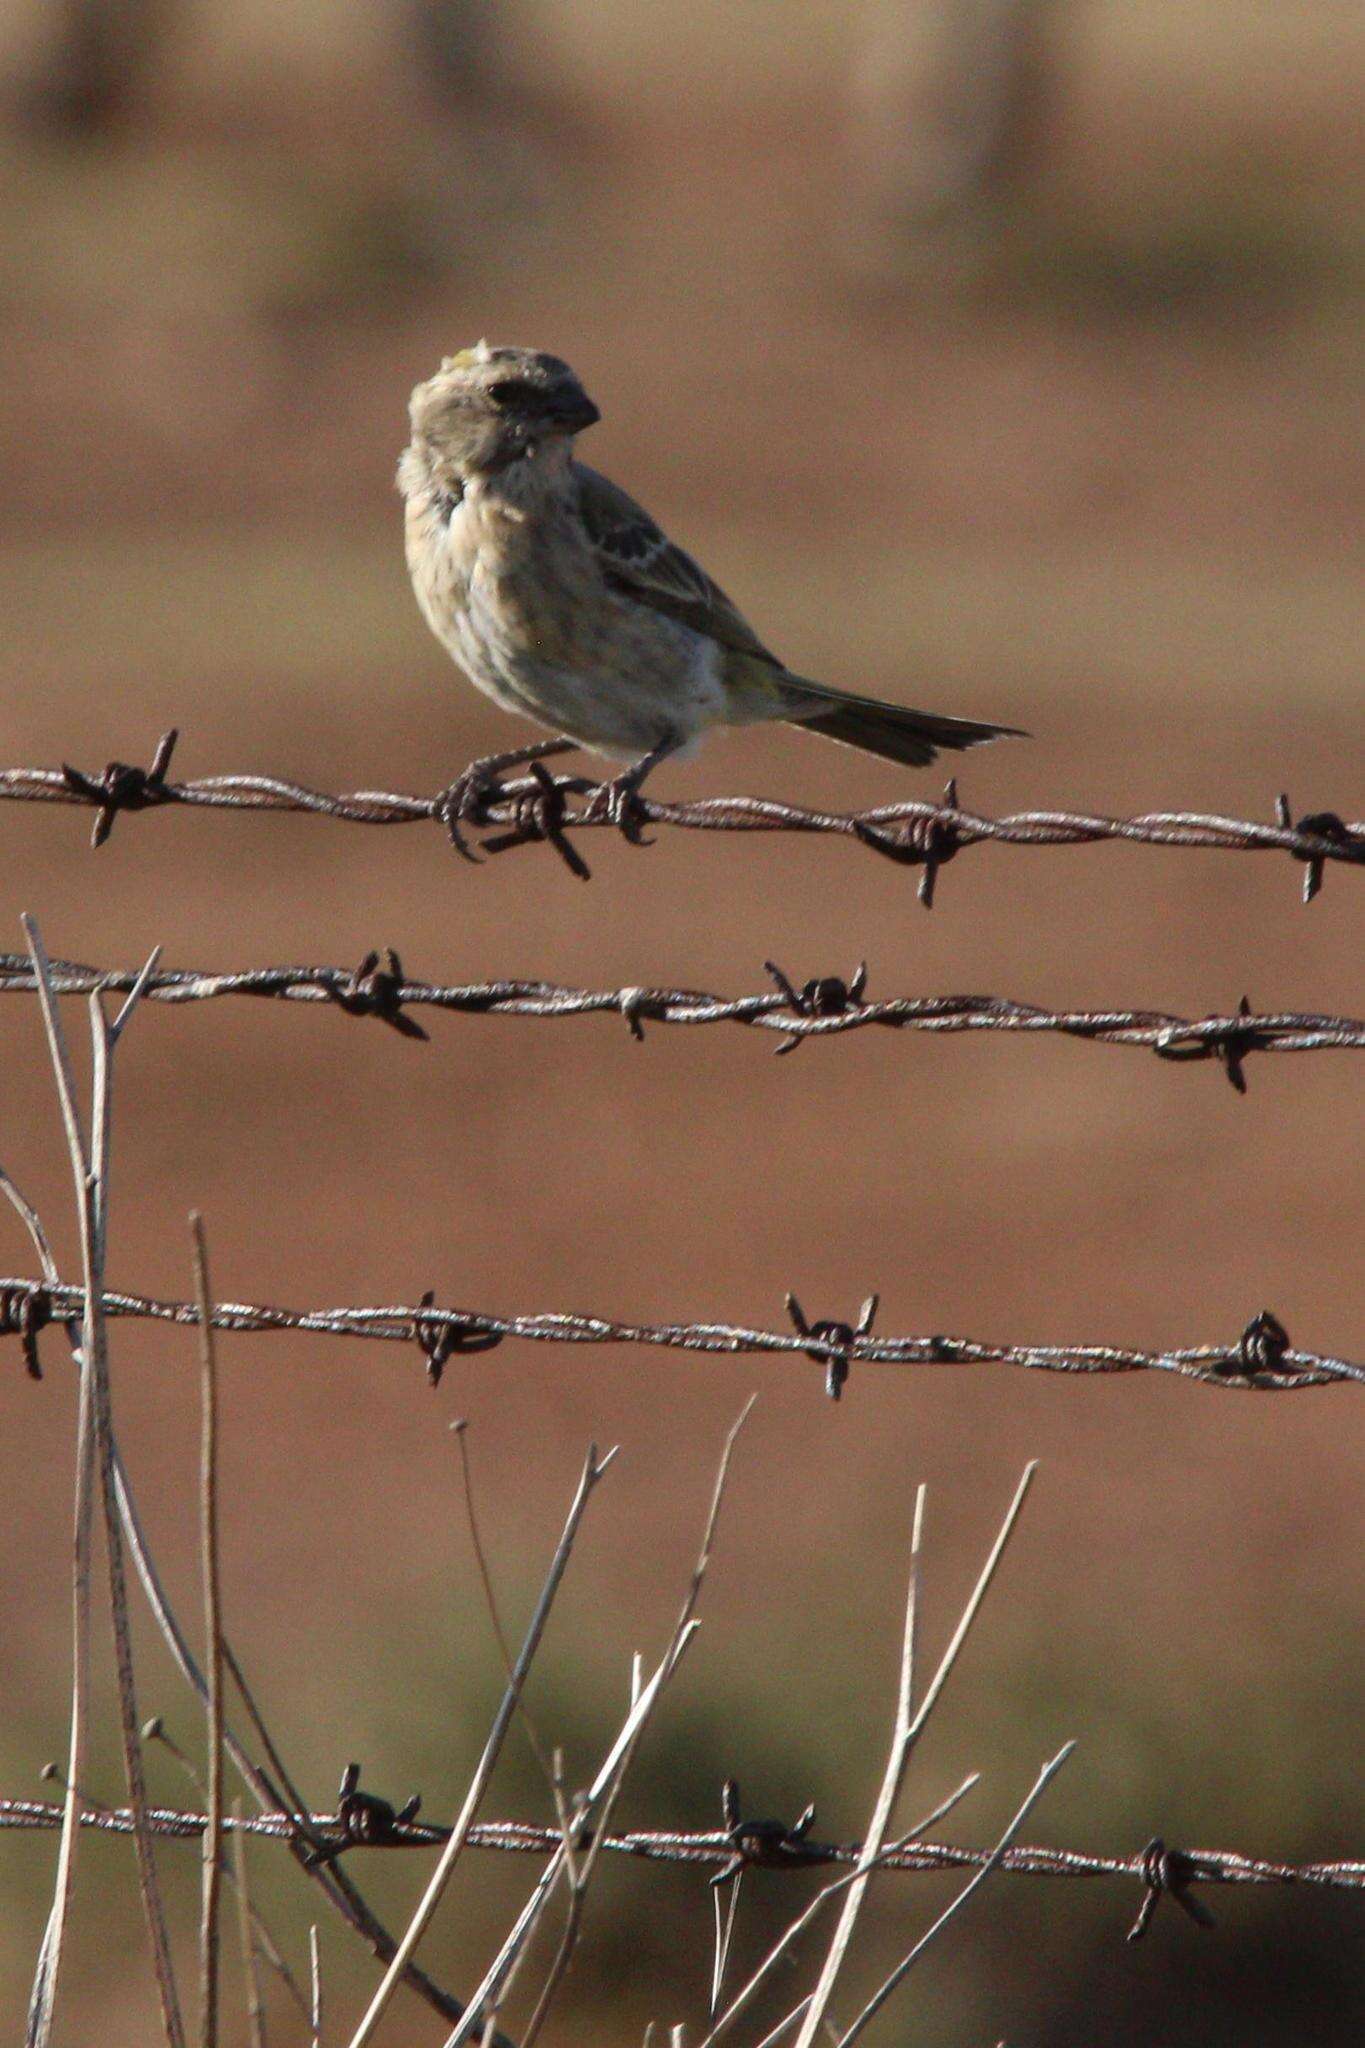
x,y
1262,1357
825,1006
524,808
709,1847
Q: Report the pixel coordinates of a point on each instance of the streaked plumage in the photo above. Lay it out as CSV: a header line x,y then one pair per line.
x,y
562,598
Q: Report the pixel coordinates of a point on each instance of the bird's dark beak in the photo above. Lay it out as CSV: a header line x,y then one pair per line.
x,y
573,412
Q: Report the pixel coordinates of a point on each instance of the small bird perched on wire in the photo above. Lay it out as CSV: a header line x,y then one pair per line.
x,y
563,600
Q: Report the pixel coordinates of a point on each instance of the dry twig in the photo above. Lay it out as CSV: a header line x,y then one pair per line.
x,y
90,1172
593,1470
213,1640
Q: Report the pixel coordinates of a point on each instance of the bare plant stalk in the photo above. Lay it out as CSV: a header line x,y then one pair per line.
x,y
315,1983
42,1999
907,1733
879,1998
893,1777
496,1976
340,1892
743,1999
213,1640
90,1173
592,1472
551,1775
579,1884
255,2008
725,1927
267,1947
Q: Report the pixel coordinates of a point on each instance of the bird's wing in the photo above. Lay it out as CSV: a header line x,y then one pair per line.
x,y
641,562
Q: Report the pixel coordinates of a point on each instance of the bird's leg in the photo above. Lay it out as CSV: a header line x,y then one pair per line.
x,y
614,802
481,783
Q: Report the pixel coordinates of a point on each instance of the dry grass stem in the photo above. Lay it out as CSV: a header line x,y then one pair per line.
x,y
255,2005
315,1989
893,1777
90,1165
907,1733
579,1885
884,1991
593,1470
496,1977
744,1998
213,1641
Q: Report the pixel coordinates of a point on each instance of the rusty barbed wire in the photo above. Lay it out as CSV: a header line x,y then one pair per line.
x,y
537,807
1161,1871
1262,1357
826,1005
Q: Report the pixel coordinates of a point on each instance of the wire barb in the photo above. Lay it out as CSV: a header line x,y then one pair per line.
x,y
1321,825
366,1821
824,995
1168,1873
441,1340
1262,1347
765,1844
541,813
928,840
375,989
123,787
25,1309
835,1341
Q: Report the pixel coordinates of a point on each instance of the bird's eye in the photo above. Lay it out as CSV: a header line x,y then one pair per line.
x,y
512,391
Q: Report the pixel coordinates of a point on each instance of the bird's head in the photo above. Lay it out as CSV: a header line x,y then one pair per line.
x,y
488,407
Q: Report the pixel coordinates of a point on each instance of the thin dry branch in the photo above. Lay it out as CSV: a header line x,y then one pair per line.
x,y
486,1998
580,1879
213,1640
1262,1359
90,1164
908,1729
341,1893
255,2006
599,1798
992,1862
885,1860
522,809
822,1007
593,1470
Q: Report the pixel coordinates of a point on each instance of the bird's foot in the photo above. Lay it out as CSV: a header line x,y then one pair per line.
x,y
467,800
617,803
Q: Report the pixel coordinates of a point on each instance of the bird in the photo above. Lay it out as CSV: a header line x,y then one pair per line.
x,y
563,600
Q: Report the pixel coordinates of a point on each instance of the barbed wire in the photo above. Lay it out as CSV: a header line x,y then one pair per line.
x,y
1262,1358
367,1822
825,1005
538,807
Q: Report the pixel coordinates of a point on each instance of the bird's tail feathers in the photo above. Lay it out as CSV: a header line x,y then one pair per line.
x,y
889,730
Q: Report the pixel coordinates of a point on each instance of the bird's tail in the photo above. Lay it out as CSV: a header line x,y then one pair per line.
x,y
890,730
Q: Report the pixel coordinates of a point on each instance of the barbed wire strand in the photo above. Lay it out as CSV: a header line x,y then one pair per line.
x,y
824,1006
537,807
764,1844
1262,1358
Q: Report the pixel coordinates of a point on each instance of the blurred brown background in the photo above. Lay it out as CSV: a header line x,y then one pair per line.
x,y
997,358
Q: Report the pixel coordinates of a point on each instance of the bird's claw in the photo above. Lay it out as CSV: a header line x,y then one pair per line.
x,y
618,803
